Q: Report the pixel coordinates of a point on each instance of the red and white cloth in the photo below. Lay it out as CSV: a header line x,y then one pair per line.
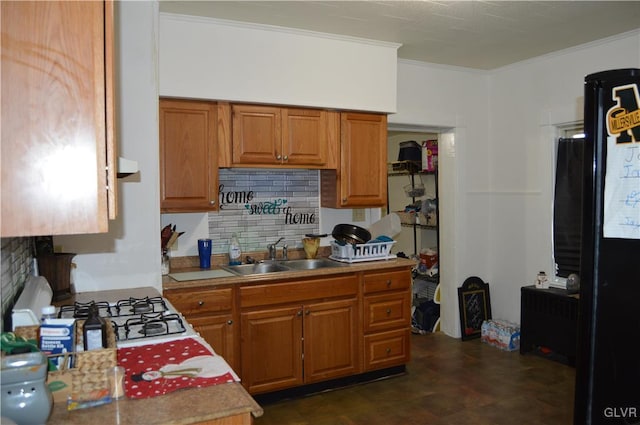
x,y
157,369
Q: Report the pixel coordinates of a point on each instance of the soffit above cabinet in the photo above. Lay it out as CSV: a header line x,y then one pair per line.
x,y
205,58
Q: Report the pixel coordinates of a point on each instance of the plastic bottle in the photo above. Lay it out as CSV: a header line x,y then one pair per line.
x,y
94,330
48,312
235,253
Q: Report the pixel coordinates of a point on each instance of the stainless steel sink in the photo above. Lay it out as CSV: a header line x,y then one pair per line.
x,y
258,268
265,267
311,264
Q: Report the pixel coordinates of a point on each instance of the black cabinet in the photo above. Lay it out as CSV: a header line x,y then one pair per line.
x,y
549,320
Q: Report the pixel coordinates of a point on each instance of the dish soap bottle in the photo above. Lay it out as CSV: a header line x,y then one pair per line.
x,y
235,253
95,330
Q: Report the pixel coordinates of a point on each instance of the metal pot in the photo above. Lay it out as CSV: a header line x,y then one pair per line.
x,y
350,233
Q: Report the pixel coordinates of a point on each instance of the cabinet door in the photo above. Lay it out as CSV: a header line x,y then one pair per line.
x,y
257,134
57,118
330,340
218,331
361,179
305,136
363,159
271,349
188,156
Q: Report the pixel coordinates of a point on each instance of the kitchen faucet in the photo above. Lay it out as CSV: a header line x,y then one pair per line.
x,y
272,250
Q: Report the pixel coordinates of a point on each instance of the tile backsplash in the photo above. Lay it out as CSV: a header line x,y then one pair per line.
x,y
261,206
17,257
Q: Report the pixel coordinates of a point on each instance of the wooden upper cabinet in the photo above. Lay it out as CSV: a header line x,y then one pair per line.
x,y
361,178
188,156
58,151
271,136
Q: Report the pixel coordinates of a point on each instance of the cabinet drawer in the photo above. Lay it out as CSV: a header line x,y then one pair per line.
x,y
389,281
387,311
196,301
386,349
289,292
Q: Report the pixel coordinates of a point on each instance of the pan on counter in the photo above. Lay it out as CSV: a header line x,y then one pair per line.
x,y
350,233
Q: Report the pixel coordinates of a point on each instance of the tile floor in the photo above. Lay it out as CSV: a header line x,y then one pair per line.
x,y
450,382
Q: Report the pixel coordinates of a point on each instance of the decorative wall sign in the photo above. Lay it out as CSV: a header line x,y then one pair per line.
x,y
261,205
475,307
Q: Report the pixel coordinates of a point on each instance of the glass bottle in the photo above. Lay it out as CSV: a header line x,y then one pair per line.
x,y
94,330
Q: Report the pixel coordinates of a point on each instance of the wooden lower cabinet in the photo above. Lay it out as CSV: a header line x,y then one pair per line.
x,y
283,347
211,313
386,319
291,332
294,333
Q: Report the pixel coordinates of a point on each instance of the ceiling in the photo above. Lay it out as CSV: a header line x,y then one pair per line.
x,y
476,34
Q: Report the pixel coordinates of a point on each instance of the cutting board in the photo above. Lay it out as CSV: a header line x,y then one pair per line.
x,y
202,274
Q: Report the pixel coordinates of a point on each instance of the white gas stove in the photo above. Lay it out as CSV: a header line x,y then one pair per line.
x,y
138,316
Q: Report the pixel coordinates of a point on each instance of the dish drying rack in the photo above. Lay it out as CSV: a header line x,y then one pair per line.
x,y
361,252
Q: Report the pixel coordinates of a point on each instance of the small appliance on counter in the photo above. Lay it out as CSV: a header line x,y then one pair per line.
x,y
37,293
26,399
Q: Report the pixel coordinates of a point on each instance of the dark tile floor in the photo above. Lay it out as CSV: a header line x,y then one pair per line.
x,y
450,382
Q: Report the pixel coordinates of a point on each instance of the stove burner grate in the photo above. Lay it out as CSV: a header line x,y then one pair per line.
x,y
80,310
149,325
136,306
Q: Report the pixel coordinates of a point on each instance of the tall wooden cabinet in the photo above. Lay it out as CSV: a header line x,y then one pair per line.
x,y
188,156
273,136
361,178
58,126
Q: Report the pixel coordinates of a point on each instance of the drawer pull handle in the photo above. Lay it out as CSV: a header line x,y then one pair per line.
x,y
388,311
200,303
308,312
388,350
299,313
229,322
388,282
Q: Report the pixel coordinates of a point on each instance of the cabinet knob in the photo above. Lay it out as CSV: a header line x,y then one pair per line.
x,y
212,202
299,313
200,303
278,156
344,199
307,312
388,350
229,322
388,311
389,283
286,157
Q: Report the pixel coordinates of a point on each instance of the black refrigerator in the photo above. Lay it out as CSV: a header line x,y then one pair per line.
x,y
608,361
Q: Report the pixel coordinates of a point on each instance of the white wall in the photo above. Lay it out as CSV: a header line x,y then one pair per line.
x,y
226,60
129,255
528,100
454,100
